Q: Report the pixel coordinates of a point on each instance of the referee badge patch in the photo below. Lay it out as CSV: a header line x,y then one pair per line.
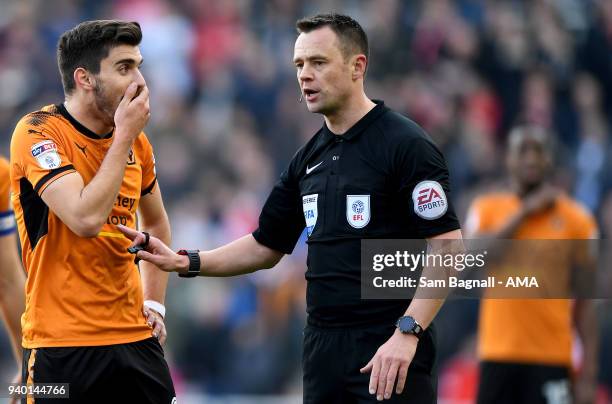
x,y
45,153
309,203
358,210
429,200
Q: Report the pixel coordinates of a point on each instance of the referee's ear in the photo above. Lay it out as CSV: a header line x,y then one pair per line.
x,y
359,64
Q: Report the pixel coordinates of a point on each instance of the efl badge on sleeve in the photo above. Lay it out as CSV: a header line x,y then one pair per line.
x,y
45,153
309,203
358,210
429,200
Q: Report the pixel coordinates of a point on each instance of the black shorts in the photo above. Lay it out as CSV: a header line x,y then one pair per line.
x,y
515,383
136,373
332,359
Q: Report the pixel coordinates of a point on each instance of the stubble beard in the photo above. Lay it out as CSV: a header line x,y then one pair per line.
x,y
104,105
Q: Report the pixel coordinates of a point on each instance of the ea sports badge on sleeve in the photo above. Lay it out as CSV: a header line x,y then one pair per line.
x,y
429,200
309,203
358,210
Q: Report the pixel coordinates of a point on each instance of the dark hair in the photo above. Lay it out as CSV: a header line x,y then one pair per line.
x,y
541,134
88,43
353,39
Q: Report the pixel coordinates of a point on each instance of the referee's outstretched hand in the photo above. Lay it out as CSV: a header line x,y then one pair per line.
x,y
391,362
156,252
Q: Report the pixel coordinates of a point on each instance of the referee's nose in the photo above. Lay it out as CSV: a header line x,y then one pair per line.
x,y
305,74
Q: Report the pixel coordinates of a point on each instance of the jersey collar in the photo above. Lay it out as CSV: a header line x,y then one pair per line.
x,y
363,123
78,126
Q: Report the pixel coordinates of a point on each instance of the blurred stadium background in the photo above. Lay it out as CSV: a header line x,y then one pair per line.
x,y
226,120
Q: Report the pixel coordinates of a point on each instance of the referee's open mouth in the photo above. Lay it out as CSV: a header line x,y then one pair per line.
x,y
310,94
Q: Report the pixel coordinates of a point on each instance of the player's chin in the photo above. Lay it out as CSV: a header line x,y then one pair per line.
x,y
532,182
532,177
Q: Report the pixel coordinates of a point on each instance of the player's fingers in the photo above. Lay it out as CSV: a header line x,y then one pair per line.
x,y
157,329
374,375
143,96
382,378
391,375
130,91
147,314
401,378
162,337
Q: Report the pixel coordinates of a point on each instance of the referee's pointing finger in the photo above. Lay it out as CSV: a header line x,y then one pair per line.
x,y
134,235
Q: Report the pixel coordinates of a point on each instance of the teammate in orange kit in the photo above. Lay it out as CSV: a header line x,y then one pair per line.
x,y
12,278
525,345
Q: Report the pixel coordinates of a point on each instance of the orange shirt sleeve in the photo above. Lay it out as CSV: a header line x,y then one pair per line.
x,y
585,231
4,186
7,220
477,220
149,174
38,151
584,224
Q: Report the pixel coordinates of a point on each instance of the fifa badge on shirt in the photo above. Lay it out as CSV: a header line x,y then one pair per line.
x,y
429,200
45,153
358,210
309,203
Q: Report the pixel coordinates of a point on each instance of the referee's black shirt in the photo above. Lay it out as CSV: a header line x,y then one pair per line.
x,y
383,178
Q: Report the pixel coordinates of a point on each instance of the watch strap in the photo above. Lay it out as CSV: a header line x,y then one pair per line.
x,y
194,263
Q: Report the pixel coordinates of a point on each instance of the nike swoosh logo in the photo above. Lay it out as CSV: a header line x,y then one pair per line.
x,y
311,169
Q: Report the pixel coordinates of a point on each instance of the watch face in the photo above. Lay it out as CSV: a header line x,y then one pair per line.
x,y
406,324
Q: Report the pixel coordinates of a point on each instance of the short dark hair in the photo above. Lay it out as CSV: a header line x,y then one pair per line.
x,y
543,135
88,43
353,39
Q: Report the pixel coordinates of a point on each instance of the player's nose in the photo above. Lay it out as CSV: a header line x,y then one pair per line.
x,y
139,78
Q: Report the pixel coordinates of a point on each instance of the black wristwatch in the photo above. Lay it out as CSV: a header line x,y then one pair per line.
x,y
194,263
408,325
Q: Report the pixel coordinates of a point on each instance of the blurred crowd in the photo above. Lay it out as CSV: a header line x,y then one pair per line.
x,y
226,120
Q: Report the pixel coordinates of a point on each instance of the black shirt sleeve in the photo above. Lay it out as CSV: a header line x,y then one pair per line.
x,y
424,186
281,220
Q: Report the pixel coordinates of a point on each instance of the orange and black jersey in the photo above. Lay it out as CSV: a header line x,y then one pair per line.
x,y
79,291
7,221
532,331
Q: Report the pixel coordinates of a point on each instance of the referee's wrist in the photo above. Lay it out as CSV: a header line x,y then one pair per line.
x,y
194,263
182,266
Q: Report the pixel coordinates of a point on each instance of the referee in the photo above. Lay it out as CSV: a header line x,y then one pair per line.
x,y
368,172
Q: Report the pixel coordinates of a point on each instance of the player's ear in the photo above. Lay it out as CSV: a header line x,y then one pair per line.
x,y
84,79
358,66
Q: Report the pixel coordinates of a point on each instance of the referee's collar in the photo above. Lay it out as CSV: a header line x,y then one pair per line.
x,y
361,124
